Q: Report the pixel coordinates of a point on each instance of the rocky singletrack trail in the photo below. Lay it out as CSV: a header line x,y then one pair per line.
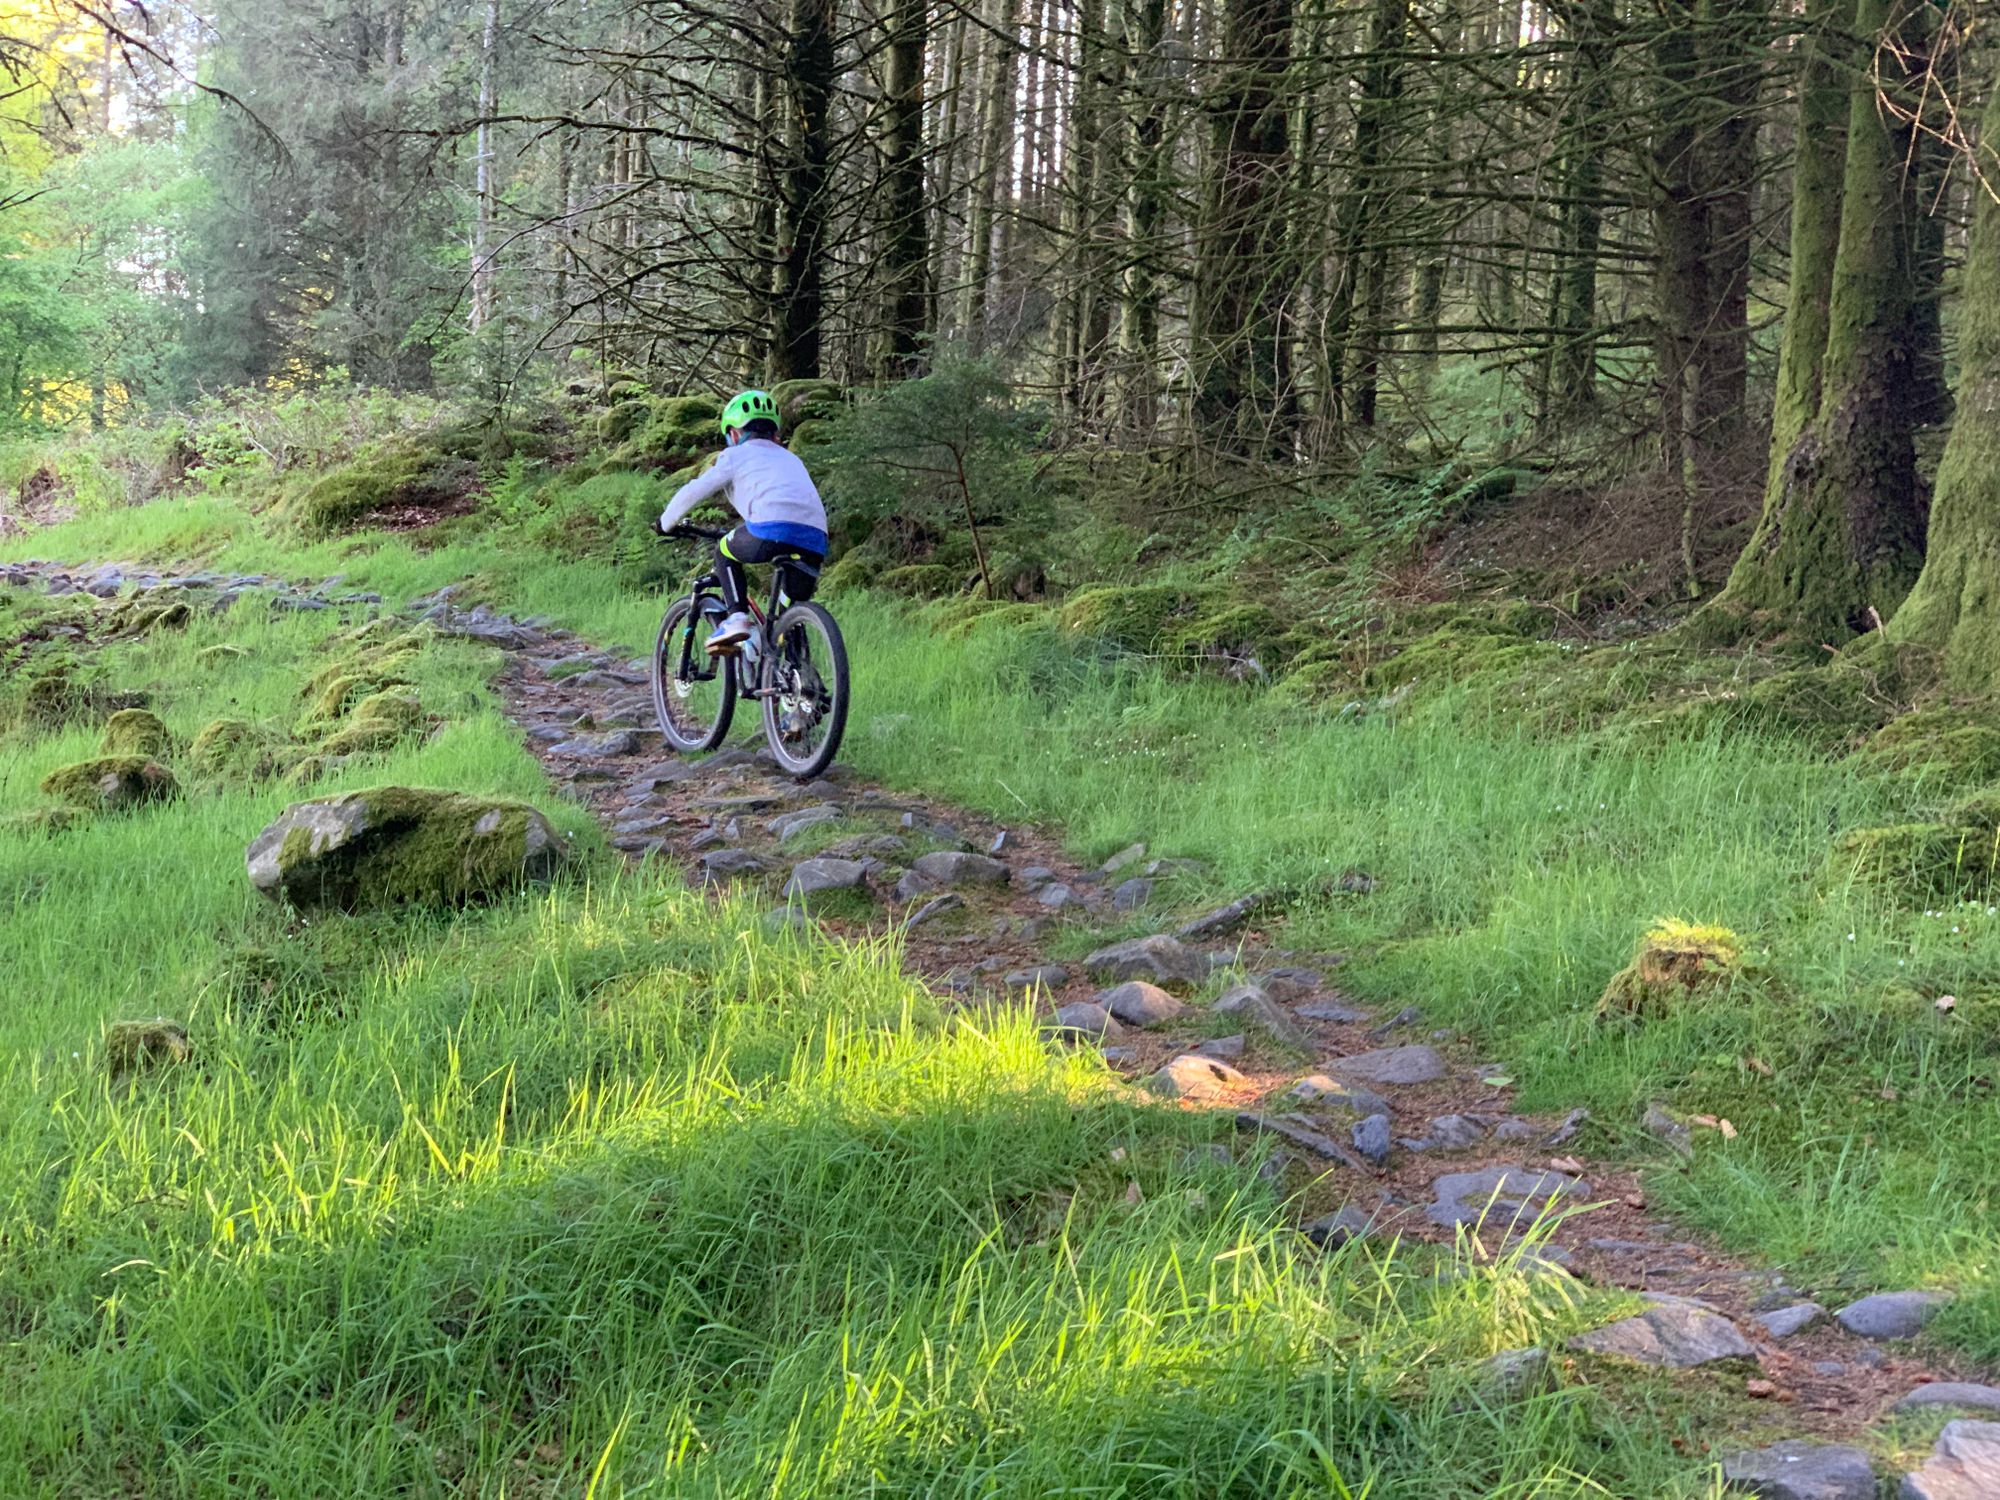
x,y
1380,1124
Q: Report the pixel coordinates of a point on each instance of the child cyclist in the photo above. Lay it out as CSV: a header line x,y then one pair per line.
x,y
770,489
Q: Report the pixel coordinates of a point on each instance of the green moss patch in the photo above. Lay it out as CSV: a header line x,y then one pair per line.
x,y
1953,745
135,731
228,745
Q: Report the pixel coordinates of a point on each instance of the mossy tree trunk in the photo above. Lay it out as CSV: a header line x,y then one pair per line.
x,y
1955,607
1842,533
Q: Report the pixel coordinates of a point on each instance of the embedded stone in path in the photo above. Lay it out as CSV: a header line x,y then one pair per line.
x,y
1965,1465
1157,959
728,864
593,746
1190,1076
1677,1335
1228,1048
937,906
1498,1194
1371,1138
1454,1133
1332,1093
1795,1470
819,877
1081,1021
949,869
1891,1315
1332,1011
1137,1003
1224,918
1251,1003
1783,1322
1040,977
1132,894
1956,1393
1331,1231
788,826
1392,1065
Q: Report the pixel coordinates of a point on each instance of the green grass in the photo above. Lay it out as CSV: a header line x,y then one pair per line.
x,y
610,1190
1515,872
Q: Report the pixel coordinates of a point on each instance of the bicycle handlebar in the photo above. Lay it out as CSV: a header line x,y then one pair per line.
x,y
687,533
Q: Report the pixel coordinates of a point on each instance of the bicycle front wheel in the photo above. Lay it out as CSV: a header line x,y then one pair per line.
x,y
805,712
694,694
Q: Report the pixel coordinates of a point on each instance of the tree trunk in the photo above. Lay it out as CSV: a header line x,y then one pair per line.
x,y
1146,202
483,175
905,253
1569,380
1842,533
1954,609
992,170
801,286
1242,375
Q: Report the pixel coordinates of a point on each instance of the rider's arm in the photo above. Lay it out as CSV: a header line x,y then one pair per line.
x,y
705,485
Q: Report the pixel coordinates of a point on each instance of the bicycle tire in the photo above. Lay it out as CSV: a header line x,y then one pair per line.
x,y
807,758
695,730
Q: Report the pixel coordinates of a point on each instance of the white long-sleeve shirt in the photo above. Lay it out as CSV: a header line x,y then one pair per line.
x,y
766,484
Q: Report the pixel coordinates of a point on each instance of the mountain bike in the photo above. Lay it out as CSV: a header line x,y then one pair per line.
x,y
794,664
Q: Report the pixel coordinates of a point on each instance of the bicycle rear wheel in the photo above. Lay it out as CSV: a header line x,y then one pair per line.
x,y
805,713
694,694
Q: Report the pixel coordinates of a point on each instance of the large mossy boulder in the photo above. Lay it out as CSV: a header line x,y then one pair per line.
x,y
802,401
136,731
111,783
394,846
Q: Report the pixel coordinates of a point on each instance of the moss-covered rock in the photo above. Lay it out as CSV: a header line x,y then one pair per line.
x,y
1453,654
1674,960
111,783
920,581
1137,616
391,846
858,569
135,731
334,692
304,769
143,614
621,421
379,722
399,473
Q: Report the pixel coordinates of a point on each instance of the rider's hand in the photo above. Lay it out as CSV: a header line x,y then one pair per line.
x,y
658,529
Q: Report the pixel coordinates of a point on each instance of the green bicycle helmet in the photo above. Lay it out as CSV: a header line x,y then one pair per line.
x,y
748,407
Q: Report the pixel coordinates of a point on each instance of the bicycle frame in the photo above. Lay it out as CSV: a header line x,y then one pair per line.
x,y
696,665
